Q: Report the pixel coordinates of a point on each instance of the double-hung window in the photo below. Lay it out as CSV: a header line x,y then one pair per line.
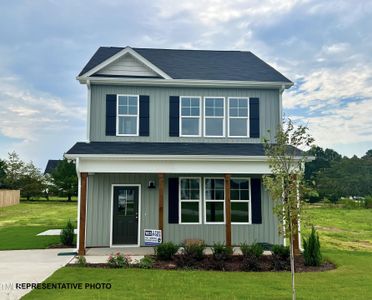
x,y
190,197
238,117
214,116
127,122
240,195
214,200
190,116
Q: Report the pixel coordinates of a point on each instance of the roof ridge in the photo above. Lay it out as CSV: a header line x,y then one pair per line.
x,y
174,49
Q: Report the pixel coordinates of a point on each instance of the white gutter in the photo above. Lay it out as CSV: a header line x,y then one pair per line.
x,y
184,82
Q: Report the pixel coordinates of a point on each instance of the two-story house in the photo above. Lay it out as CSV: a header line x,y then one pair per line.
x,y
175,143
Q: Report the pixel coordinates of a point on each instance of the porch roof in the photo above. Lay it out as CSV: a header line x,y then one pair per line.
x,y
170,148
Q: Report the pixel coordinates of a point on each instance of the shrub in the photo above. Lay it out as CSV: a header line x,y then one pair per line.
x,y
312,253
254,250
67,234
165,251
81,261
280,257
251,256
349,203
118,261
147,262
194,249
368,202
221,251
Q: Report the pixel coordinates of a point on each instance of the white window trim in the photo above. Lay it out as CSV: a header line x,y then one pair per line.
x,y
205,117
205,201
228,118
188,117
243,201
180,200
122,115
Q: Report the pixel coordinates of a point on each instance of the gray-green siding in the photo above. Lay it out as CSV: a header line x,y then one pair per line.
x,y
99,215
159,111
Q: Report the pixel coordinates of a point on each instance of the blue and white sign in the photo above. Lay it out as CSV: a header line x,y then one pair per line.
x,y
152,237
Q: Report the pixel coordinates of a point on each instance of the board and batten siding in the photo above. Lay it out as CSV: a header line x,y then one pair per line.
x,y
99,215
159,111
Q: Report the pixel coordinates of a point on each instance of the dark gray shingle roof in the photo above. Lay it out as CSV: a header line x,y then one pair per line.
x,y
147,148
200,64
51,165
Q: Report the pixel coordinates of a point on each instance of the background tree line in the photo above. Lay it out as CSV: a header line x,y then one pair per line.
x,y
333,176
26,177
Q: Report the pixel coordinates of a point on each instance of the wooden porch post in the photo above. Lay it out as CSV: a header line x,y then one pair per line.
x,y
161,201
228,210
83,211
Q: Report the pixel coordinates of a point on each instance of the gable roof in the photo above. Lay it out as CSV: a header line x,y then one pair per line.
x,y
198,64
51,165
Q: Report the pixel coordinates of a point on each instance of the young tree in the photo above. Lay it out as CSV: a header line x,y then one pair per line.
x,y
65,179
286,182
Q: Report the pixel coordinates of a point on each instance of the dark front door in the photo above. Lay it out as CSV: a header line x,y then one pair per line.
x,y
125,215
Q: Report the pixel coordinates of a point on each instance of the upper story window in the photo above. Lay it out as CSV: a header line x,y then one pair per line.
x,y
190,116
127,122
214,116
238,117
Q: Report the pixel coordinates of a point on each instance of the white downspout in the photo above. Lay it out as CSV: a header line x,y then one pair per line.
x,y
88,109
281,90
78,210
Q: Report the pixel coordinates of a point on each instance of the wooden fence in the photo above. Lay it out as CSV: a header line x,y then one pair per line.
x,y
9,197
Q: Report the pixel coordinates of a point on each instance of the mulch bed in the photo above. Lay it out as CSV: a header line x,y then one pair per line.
x,y
233,264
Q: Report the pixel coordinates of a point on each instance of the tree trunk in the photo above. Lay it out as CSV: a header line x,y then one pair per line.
x,y
68,197
292,258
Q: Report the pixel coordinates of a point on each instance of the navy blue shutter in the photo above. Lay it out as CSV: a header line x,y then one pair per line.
x,y
256,200
144,115
173,201
174,115
254,118
110,114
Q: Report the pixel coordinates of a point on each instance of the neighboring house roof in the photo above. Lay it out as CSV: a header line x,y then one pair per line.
x,y
51,165
143,148
199,64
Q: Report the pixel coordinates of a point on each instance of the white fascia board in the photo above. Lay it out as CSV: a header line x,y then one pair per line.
x,y
172,166
117,56
184,82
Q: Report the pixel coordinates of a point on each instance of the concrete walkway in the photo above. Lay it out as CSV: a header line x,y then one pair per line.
x,y
28,266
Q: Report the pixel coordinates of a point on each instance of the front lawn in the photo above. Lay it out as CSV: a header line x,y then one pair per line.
x,y
351,280
20,223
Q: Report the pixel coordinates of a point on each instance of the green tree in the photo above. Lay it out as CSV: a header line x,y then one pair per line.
x,y
14,170
368,155
31,181
286,183
2,174
65,179
322,161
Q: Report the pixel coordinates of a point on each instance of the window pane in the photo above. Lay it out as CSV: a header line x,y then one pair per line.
x,y
238,127
219,183
195,112
123,100
234,112
214,212
234,194
239,212
214,127
190,126
189,212
127,125
186,111
244,195
243,103
243,112
195,102
234,183
123,109
194,183
185,102
233,103
132,101
132,110
190,189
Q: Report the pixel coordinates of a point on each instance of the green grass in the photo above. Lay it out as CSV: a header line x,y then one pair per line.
x,y
344,229
20,223
51,198
351,280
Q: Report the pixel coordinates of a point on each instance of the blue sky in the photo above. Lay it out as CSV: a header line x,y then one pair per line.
x,y
323,46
